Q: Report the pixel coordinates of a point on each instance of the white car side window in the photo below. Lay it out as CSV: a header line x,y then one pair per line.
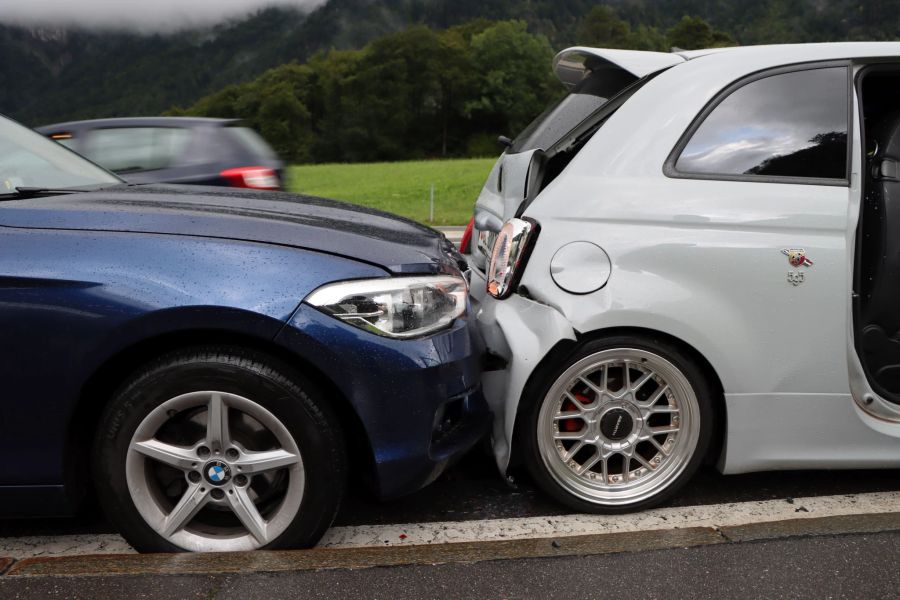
x,y
791,124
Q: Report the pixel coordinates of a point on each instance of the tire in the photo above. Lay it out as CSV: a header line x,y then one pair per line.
x,y
195,442
640,442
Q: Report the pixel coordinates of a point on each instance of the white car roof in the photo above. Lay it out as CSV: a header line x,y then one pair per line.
x,y
792,53
571,64
638,138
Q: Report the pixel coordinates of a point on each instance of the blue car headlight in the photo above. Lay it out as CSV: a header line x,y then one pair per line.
x,y
397,307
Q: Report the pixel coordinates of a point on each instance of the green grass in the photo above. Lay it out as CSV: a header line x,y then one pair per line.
x,y
400,187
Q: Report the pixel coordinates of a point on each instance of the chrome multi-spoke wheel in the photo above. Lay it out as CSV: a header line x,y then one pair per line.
x,y
618,427
219,449
236,487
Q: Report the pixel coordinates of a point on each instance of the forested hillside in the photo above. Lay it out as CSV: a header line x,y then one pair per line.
x,y
424,92
385,79
58,74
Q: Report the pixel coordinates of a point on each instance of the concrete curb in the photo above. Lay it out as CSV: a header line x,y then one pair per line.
x,y
358,558
836,525
463,552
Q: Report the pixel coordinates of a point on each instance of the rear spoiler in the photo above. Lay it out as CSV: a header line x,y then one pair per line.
x,y
571,65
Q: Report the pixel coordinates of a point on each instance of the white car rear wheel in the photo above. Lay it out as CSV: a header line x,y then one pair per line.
x,y
622,425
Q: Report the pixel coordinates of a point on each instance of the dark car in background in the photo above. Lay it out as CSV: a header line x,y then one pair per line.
x,y
190,150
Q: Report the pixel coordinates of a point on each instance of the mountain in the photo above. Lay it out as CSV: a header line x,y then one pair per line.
x,y
70,74
63,74
59,74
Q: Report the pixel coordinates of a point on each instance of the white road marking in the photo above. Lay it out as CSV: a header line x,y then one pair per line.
x,y
715,515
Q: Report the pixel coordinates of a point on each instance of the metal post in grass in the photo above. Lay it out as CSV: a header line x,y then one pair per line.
x,y
431,211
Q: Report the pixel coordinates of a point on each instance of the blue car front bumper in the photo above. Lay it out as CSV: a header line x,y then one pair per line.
x,y
419,401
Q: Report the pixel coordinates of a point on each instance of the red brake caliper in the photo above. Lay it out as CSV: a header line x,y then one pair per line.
x,y
573,424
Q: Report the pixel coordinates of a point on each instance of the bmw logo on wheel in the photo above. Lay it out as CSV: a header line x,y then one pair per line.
x,y
217,472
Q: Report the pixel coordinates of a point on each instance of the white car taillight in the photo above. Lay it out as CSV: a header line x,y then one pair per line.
x,y
510,253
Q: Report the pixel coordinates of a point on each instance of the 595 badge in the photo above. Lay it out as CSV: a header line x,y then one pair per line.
x,y
797,258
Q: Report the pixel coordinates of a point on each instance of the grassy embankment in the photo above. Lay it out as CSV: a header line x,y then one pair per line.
x,y
400,187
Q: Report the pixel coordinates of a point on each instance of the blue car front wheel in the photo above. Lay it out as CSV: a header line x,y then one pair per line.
x,y
219,449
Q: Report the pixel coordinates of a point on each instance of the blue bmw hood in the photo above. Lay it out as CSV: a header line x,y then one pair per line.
x,y
395,243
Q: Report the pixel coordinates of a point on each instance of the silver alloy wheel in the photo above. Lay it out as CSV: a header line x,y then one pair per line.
x,y
212,471
618,426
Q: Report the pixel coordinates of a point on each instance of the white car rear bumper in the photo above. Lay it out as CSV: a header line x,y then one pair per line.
x,y
522,332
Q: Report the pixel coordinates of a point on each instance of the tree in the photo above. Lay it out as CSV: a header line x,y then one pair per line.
x,y
285,122
272,104
457,82
515,82
603,28
691,33
397,96
331,92
644,37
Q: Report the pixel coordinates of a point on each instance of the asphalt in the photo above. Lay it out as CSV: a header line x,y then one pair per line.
x,y
473,490
820,566
781,559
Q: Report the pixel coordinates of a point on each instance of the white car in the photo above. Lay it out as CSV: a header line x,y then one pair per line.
x,y
696,256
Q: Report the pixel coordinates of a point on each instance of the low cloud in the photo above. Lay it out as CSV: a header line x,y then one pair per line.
x,y
135,15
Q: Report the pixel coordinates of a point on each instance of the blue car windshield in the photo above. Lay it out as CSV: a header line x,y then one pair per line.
x,y
29,160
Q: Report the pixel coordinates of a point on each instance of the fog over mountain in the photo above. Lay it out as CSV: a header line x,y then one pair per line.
x,y
150,16
76,59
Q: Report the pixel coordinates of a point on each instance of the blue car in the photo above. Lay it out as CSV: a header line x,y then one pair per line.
x,y
213,365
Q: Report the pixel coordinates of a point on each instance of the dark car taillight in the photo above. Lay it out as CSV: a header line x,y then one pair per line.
x,y
257,178
466,240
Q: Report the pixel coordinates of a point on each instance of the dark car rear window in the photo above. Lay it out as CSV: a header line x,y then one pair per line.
x,y
251,142
131,149
561,118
